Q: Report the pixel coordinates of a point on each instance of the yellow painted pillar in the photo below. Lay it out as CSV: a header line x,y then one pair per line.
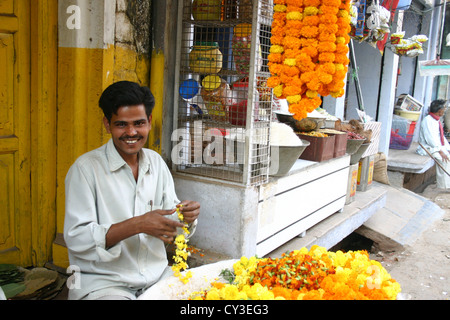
x,y
157,88
85,69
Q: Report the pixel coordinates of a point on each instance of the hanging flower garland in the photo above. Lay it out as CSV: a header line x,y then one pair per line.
x,y
181,251
308,54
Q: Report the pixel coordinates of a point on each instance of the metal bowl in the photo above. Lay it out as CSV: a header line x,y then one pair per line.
x,y
296,125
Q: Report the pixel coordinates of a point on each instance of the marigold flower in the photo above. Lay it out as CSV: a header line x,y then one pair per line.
x,y
279,8
294,15
310,11
311,20
312,3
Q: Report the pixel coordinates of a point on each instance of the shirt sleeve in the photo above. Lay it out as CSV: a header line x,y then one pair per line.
x,y
430,135
84,236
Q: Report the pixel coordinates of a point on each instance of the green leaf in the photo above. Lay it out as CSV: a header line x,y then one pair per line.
x,y
13,289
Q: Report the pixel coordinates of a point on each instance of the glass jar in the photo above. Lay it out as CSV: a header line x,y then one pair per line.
x,y
205,57
241,45
215,93
206,9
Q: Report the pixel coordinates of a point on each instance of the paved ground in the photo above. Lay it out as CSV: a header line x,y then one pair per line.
x,y
423,266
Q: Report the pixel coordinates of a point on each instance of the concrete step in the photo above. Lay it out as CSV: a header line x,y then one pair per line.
x,y
401,221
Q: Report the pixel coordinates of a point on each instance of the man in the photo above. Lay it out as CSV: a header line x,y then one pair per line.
x,y
120,204
431,136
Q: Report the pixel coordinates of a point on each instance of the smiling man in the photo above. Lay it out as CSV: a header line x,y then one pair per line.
x,y
120,204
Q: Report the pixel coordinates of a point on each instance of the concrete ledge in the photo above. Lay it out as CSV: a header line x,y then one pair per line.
x,y
408,160
405,216
333,229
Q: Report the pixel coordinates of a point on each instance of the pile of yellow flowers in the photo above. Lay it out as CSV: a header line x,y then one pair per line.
x,y
181,252
308,54
315,274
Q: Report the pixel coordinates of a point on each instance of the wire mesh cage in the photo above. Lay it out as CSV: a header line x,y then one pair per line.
x,y
222,104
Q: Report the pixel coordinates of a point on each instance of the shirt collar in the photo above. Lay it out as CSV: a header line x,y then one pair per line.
x,y
116,161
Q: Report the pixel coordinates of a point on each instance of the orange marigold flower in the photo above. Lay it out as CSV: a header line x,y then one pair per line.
x,y
310,51
309,31
327,36
326,46
273,81
326,57
295,3
311,20
291,71
278,31
342,49
279,1
328,18
290,42
275,68
326,9
275,57
328,28
333,3
312,3
341,58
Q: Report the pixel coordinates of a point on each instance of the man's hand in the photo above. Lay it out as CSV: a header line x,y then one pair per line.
x,y
190,210
155,223
444,156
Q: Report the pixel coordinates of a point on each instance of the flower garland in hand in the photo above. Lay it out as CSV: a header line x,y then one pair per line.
x,y
308,54
181,253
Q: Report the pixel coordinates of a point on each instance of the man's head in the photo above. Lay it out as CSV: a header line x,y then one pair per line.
x,y
438,107
125,93
127,108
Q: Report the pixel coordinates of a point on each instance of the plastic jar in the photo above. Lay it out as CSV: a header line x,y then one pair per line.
x,y
241,44
237,114
215,93
205,57
206,9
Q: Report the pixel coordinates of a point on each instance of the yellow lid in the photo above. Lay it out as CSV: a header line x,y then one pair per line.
x,y
211,82
243,29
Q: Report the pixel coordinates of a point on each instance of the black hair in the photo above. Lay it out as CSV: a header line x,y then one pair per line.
x,y
125,93
437,105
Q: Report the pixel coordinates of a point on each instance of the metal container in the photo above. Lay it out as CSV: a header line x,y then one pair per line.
x,y
281,163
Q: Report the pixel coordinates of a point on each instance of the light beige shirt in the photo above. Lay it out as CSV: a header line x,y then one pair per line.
x,y
101,191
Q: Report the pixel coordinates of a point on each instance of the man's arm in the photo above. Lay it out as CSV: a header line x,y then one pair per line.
x,y
153,223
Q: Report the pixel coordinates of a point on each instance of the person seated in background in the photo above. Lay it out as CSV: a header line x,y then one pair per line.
x,y
431,137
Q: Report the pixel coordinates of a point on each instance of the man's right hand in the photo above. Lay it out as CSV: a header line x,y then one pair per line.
x,y
444,156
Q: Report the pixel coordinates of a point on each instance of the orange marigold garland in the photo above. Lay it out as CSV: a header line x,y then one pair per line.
x,y
309,57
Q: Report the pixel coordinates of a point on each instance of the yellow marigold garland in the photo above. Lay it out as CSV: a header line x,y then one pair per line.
x,y
307,37
315,274
181,252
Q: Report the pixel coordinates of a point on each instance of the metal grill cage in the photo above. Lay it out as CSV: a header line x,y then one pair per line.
x,y
222,104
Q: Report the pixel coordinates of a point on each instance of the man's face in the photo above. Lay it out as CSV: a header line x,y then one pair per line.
x,y
129,129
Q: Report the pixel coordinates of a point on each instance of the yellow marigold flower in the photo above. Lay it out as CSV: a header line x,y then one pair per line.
x,y
278,91
311,11
279,8
289,62
213,295
276,49
311,94
294,15
294,99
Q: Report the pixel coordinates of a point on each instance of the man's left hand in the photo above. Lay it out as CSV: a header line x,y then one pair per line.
x,y
190,210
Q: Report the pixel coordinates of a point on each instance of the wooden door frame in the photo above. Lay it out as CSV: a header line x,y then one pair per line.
x,y
44,30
